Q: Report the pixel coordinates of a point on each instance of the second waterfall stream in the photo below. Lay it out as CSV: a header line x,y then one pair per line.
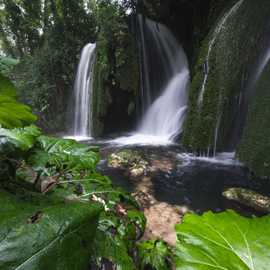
x,y
164,88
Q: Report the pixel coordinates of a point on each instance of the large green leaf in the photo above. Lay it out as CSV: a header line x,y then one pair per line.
x,y
12,113
225,241
22,138
45,234
67,153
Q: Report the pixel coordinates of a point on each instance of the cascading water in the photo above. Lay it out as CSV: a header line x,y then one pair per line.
x,y
164,74
165,116
83,90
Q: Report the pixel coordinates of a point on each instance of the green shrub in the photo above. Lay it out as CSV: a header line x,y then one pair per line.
x,y
12,113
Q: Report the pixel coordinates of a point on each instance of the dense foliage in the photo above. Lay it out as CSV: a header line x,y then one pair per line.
x,y
64,170
47,38
154,254
12,113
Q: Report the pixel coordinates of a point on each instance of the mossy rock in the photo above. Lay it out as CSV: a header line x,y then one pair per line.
x,y
230,65
248,198
254,148
130,160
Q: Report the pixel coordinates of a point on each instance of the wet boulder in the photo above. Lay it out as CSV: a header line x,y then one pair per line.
x,y
248,198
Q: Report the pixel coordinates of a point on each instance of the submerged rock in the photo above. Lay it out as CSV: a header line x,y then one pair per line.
x,y
130,160
248,198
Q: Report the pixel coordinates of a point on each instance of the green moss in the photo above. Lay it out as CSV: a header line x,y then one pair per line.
x,y
231,60
254,149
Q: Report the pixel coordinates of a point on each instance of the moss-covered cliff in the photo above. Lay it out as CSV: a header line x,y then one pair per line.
x,y
232,46
116,80
254,149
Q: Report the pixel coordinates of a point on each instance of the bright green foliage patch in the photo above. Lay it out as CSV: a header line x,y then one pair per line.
x,y
12,113
225,241
64,153
154,254
22,138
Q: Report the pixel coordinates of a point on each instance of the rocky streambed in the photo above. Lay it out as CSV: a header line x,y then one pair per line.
x,y
168,183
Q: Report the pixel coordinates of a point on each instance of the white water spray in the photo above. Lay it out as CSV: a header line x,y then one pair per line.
x,y
224,159
166,115
83,91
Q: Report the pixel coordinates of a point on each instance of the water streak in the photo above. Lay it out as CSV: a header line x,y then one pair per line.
x,y
218,122
262,66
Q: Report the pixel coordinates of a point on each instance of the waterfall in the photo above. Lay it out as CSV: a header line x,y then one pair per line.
x,y
83,90
210,47
165,79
